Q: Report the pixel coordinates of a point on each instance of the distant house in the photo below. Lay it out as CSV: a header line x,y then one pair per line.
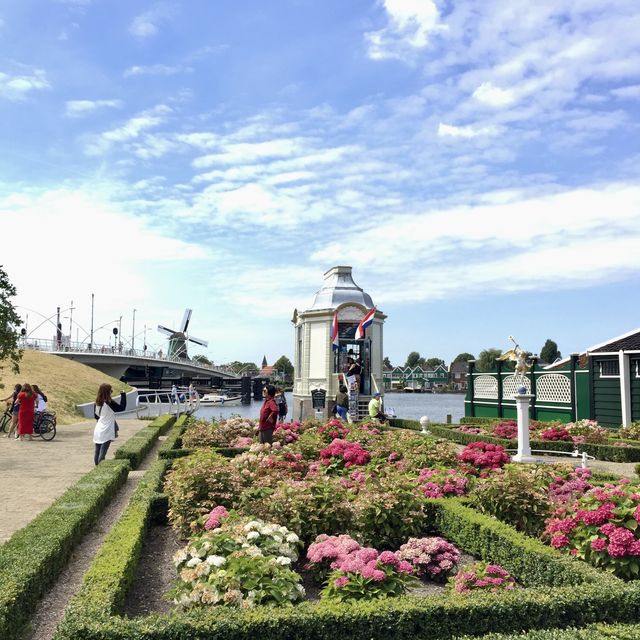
x,y
458,375
267,369
436,377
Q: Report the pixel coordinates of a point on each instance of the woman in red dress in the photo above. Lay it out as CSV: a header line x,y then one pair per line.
x,y
27,400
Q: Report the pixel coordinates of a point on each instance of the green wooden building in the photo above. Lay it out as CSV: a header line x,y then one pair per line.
x,y
602,383
417,378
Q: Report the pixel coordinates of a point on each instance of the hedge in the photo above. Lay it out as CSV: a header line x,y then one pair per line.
x,y
105,584
590,632
32,559
599,451
173,442
531,561
561,591
140,443
436,618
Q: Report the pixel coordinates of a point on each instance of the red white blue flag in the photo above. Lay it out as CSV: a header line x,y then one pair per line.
x,y
335,339
367,321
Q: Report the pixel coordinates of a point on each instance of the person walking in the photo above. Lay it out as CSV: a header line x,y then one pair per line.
x,y
27,400
14,408
268,415
281,401
342,402
104,411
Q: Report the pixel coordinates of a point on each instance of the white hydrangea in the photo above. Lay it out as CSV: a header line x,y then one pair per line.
x,y
254,524
179,557
284,561
292,538
252,535
216,561
194,562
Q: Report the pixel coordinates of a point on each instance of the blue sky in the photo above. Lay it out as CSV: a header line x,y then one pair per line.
x,y
476,162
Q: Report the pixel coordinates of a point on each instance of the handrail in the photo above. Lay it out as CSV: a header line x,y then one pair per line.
x,y
574,454
175,405
52,346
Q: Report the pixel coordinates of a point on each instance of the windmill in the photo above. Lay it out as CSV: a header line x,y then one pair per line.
x,y
178,339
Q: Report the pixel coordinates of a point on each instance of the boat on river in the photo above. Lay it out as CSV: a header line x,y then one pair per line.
x,y
209,399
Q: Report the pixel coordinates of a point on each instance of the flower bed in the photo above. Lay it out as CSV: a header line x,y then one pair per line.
x,y
370,532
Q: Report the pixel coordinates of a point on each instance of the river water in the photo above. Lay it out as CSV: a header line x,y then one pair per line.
x,y
436,406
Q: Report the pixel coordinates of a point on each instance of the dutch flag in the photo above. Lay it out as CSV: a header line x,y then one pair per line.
x,y
364,323
335,339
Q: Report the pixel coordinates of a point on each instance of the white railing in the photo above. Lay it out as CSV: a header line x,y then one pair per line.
x,y
52,346
151,403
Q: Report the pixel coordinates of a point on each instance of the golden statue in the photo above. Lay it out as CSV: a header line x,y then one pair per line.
x,y
517,355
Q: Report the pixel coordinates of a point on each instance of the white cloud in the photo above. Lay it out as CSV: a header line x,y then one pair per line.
x,y
467,131
77,108
410,23
130,130
18,86
571,238
147,24
156,70
630,91
494,96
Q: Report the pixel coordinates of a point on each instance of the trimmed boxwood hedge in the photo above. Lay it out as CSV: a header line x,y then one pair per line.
x,y
140,443
173,443
105,584
561,591
32,559
590,632
599,451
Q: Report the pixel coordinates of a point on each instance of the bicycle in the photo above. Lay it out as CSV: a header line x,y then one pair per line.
x,y
5,421
44,425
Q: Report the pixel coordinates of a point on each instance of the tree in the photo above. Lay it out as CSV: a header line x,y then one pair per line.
x,y
284,364
386,363
464,357
549,353
413,359
244,367
201,359
9,322
433,362
487,359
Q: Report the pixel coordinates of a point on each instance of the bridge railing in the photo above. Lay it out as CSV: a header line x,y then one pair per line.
x,y
53,346
155,402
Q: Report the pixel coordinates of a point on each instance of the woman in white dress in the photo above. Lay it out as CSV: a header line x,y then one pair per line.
x,y
105,411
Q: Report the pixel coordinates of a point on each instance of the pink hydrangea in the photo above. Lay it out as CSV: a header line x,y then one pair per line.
x,y
215,517
429,557
484,455
349,453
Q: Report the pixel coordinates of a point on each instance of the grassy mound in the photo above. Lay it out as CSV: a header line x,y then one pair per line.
x,y
65,382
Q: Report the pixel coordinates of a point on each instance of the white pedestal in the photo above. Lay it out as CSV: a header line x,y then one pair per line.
x,y
522,409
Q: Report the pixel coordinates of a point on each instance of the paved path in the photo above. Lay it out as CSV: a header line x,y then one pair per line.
x,y
34,473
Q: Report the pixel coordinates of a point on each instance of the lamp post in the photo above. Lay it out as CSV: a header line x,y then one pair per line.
x,y
91,339
133,332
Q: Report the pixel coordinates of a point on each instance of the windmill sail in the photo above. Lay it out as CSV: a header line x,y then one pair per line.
x,y
178,339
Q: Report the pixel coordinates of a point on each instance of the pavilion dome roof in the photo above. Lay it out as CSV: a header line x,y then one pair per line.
x,y
338,288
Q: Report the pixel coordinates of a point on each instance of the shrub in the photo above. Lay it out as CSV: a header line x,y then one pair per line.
x,y
309,507
287,432
483,455
601,528
326,553
631,432
366,574
419,451
570,486
333,430
341,454
482,576
203,434
555,433
441,483
517,495
242,563
508,430
432,558
466,429
387,510
587,431
198,483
